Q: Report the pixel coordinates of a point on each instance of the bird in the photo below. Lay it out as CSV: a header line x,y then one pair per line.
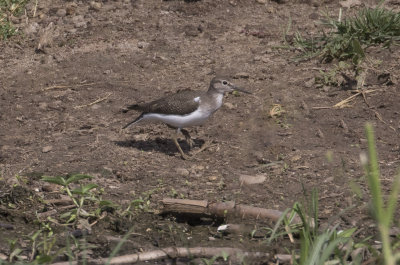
x,y
186,108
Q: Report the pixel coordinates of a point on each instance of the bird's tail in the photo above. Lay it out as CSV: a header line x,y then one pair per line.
x,y
135,107
134,121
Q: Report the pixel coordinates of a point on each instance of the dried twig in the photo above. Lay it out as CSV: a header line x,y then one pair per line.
x,y
94,102
66,86
176,252
343,103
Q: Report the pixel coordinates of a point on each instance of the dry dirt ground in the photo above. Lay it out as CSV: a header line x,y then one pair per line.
x,y
61,113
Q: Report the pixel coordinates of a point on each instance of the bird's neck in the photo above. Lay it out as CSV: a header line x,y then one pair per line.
x,y
215,99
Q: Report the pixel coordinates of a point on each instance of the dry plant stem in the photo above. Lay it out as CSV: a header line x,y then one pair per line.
x,y
219,209
174,252
94,102
66,86
290,234
344,103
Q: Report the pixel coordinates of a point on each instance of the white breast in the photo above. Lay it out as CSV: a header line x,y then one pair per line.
x,y
195,118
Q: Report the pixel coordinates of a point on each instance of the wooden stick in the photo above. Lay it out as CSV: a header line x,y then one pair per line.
x,y
219,209
175,252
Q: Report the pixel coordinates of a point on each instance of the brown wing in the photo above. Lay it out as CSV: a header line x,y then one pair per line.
x,y
180,103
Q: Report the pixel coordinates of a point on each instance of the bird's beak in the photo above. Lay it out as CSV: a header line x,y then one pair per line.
x,y
241,90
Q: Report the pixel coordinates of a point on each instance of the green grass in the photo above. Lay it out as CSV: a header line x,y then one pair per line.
x,y
334,246
382,212
9,8
347,39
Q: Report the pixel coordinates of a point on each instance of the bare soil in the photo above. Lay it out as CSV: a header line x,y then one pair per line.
x,y
61,113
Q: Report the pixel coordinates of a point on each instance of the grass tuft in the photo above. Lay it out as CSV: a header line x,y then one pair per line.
x,y
349,38
9,8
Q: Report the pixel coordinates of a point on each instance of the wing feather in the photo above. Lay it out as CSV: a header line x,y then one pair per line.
x,y
180,103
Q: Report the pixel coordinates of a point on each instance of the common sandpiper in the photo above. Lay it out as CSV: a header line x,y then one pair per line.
x,y
185,108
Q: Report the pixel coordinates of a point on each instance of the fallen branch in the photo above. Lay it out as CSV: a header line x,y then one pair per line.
x,y
176,252
219,209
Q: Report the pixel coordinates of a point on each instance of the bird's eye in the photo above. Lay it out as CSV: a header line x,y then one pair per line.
x,y
224,82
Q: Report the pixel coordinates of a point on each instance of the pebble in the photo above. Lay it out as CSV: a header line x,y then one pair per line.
x,y
141,137
47,149
71,9
251,180
260,157
61,12
242,75
212,178
191,30
43,105
261,1
79,21
142,44
309,83
182,172
50,187
229,105
95,5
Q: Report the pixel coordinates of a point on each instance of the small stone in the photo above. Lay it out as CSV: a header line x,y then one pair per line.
x,y
72,31
251,180
71,9
265,59
260,157
329,179
309,83
95,5
261,1
191,30
142,44
43,105
295,158
141,137
229,105
198,168
242,75
79,21
61,12
182,172
50,187
47,149
212,178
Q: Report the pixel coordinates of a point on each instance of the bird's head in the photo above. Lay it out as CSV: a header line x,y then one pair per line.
x,y
223,85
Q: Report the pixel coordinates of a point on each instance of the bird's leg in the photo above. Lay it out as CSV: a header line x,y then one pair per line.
x,y
175,139
189,139
203,147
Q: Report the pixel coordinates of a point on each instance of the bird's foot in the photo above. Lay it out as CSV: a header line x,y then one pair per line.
x,y
206,145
